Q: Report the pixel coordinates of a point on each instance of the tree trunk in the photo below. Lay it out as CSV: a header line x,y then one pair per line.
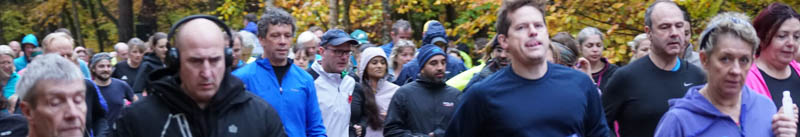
x,y
346,16
76,24
387,21
125,27
101,35
333,13
106,13
147,18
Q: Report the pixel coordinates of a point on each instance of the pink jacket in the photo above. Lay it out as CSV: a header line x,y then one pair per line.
x,y
756,81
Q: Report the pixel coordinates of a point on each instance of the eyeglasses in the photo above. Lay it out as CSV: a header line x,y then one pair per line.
x,y
340,52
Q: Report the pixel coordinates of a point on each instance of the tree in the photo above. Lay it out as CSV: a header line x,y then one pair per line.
x,y
125,25
147,18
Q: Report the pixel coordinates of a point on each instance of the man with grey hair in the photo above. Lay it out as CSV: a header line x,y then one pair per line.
x,y
63,44
195,95
122,53
401,30
8,77
591,44
54,98
275,78
636,95
16,47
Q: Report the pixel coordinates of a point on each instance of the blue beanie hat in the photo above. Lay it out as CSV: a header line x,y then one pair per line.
x,y
426,52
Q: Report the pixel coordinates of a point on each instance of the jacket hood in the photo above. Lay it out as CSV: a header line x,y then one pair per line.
x,y
696,103
30,39
367,55
165,85
152,58
434,30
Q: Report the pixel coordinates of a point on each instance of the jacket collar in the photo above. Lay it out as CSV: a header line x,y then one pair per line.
x,y
335,77
166,86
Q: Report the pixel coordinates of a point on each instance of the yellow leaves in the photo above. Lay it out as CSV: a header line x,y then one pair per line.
x,y
618,5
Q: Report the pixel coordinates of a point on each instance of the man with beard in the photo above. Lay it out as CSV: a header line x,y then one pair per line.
x,y
115,91
423,107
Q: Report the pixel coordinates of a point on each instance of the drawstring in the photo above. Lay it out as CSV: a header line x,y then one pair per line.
x,y
182,124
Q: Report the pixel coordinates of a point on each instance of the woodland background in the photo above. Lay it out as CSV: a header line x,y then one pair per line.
x,y
98,24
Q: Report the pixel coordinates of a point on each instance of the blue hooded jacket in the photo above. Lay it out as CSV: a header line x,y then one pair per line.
x,y
693,115
295,98
21,62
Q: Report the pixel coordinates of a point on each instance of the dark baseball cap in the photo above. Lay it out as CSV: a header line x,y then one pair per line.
x,y
336,37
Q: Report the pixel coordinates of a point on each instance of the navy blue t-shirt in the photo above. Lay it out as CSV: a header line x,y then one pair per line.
x,y
564,102
115,94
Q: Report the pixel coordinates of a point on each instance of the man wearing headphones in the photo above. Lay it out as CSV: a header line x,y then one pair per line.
x,y
196,95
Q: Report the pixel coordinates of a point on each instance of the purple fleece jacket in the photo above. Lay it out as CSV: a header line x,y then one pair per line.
x,y
694,116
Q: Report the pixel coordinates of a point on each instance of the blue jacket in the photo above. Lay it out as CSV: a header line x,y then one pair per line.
x,y
20,63
11,85
693,115
387,48
295,98
251,27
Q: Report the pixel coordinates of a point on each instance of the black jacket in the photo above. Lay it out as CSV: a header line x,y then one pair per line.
x,y
232,112
150,63
96,110
419,108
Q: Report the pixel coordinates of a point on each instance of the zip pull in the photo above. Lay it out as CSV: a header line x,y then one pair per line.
x,y
281,89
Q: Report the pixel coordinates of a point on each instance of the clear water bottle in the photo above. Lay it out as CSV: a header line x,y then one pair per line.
x,y
787,104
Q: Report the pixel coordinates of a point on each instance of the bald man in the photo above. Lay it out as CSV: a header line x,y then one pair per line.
x,y
16,47
203,96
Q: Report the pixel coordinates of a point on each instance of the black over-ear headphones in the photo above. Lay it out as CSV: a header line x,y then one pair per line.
x,y
173,56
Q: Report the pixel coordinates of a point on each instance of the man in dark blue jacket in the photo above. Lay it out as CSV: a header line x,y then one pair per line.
x,y
436,35
531,97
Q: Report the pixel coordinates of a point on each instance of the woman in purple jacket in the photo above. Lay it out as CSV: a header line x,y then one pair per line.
x,y
724,106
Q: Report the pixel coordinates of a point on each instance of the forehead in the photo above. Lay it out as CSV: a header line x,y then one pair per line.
x,y
792,24
279,28
666,13
525,14
730,44
49,88
436,58
61,44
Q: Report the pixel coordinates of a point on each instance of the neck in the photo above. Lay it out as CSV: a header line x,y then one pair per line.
x,y
200,104
134,65
529,71
275,62
597,65
373,82
663,62
727,104
774,68
102,82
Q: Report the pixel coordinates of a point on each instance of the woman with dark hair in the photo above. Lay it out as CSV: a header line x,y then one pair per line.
x,y
372,95
774,71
